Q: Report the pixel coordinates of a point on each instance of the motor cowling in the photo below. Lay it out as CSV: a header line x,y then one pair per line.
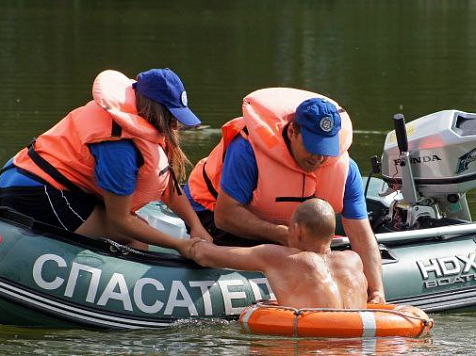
x,y
442,148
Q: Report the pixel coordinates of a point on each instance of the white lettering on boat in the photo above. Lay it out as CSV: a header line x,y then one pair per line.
x,y
254,283
450,280
175,302
448,270
157,305
117,280
38,267
73,277
205,290
229,295
50,272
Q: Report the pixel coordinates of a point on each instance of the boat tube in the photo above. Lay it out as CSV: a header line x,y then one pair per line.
x,y
375,321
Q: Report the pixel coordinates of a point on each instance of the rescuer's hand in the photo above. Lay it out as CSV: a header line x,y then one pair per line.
x,y
201,232
376,297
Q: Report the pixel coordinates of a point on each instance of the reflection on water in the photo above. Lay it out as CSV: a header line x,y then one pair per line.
x,y
369,346
220,337
195,143
374,57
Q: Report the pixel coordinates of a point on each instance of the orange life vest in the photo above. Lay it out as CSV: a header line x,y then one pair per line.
x,y
282,184
112,115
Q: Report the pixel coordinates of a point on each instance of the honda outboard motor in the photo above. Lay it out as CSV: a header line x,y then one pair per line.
x,y
431,162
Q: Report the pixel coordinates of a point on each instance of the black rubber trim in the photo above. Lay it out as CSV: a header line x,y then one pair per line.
x,y
442,301
68,317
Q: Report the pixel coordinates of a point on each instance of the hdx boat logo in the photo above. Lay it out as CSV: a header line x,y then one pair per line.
x,y
448,270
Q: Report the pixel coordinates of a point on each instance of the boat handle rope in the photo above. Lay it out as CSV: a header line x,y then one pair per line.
x,y
124,250
298,312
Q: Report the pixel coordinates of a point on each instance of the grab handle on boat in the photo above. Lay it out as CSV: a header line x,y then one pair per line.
x,y
400,132
408,189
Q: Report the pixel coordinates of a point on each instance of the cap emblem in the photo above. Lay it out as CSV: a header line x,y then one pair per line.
x,y
326,124
183,98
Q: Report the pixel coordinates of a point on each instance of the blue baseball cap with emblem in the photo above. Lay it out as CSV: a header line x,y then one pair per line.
x,y
166,88
320,123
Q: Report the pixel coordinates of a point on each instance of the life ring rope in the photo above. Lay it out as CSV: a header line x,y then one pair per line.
x,y
378,320
298,312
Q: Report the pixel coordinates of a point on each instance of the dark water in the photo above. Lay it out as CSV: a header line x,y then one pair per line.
x,y
374,57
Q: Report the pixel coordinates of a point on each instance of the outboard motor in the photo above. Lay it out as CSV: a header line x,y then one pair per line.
x,y
429,164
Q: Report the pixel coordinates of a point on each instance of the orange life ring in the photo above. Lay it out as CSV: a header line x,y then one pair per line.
x,y
376,320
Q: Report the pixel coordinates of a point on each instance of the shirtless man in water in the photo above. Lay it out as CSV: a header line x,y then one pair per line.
x,y
304,274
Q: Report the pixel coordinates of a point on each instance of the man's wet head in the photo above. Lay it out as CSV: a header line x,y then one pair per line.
x,y
314,221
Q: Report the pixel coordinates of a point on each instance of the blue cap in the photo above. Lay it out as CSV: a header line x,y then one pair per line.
x,y
320,124
166,88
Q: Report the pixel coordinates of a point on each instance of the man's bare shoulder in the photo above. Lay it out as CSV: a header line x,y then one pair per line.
x,y
312,260
347,258
271,258
271,250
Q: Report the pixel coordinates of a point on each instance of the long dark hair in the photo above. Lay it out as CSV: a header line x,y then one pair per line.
x,y
163,120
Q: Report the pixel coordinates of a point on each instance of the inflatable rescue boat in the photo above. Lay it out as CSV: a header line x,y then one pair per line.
x,y
418,210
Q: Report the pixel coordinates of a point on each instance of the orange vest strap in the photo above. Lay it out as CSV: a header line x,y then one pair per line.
x,y
52,171
174,178
116,130
294,199
209,183
6,168
229,137
244,133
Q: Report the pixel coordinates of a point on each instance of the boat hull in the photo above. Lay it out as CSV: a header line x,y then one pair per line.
x,y
51,278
